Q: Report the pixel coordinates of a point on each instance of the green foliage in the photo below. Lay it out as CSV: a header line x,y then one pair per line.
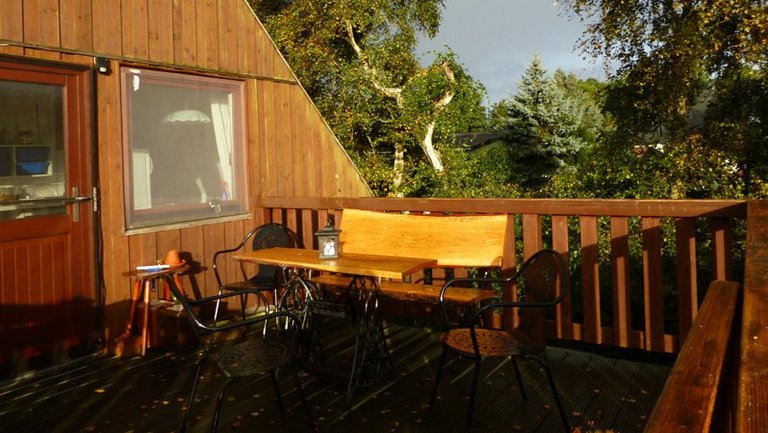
x,y
737,122
547,122
475,175
676,59
688,169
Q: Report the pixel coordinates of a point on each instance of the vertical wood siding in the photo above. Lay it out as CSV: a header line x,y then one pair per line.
x,y
291,151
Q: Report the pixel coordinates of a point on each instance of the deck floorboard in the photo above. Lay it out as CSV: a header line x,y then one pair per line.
x,y
147,394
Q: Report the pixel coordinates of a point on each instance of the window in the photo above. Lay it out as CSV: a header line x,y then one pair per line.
x,y
185,153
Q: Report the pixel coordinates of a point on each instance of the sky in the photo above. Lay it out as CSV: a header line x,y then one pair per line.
x,y
495,40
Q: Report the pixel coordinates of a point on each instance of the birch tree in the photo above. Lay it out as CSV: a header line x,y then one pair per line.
x,y
356,59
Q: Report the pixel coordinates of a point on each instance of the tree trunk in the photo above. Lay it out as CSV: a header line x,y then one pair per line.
x,y
399,169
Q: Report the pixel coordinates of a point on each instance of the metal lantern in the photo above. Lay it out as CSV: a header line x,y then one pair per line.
x,y
328,241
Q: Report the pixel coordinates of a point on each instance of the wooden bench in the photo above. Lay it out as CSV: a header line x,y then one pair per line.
x,y
477,241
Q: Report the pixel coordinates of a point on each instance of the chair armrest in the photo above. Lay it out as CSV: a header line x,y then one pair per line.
x,y
478,315
453,282
208,299
225,295
508,304
247,322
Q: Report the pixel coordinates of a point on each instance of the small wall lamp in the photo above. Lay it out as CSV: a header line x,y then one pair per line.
x,y
102,65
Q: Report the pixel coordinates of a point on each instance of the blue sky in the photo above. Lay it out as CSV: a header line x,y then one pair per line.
x,y
495,40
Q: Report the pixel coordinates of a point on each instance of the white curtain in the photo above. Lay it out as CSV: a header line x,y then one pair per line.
x,y
221,110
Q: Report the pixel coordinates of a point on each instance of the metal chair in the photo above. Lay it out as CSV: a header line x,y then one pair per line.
x,y
268,277
261,346
537,282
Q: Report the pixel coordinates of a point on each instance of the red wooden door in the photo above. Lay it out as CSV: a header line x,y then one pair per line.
x,y
47,290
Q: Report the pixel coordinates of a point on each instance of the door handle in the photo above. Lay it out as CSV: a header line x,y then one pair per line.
x,y
75,200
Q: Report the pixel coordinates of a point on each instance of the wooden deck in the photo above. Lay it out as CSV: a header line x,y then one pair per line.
x,y
147,394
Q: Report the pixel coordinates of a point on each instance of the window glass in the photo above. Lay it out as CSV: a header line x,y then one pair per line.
x,y
31,150
185,152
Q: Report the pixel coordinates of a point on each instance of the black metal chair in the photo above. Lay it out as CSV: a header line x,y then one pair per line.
x,y
251,347
537,282
268,277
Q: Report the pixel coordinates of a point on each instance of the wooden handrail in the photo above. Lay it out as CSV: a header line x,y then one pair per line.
x,y
594,207
689,400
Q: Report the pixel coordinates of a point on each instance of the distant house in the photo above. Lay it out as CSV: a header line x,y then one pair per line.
x,y
128,129
479,141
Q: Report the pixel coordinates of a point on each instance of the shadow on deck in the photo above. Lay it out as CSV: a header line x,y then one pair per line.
x,y
107,394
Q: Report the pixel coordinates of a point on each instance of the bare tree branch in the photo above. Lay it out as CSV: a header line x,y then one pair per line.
x,y
393,92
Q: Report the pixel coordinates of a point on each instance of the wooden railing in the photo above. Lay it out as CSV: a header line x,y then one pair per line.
x,y
628,257
698,394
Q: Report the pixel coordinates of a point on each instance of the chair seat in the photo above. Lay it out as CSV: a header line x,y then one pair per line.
x,y
491,342
252,357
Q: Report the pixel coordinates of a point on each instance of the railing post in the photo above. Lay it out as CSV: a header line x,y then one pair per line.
x,y
752,405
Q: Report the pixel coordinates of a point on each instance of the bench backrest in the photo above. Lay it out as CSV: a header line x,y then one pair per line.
x,y
454,241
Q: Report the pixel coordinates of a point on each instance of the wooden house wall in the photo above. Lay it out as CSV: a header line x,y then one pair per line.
x,y
292,152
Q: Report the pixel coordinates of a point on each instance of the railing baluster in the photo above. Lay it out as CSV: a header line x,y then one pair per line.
x,y
564,325
687,283
653,287
722,235
531,234
622,308
590,278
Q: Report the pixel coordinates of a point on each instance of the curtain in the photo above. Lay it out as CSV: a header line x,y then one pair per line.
x,y
221,111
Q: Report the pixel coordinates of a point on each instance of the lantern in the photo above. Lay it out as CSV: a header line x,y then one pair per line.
x,y
328,241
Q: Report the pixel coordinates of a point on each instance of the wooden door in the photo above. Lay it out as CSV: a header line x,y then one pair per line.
x,y
47,291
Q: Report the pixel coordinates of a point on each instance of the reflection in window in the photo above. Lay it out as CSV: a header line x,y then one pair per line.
x,y
185,149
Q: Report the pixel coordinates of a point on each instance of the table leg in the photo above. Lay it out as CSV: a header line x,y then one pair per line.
x,y
371,355
144,329
135,296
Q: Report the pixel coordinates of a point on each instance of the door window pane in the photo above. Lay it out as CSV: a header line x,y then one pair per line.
x,y
32,169
185,152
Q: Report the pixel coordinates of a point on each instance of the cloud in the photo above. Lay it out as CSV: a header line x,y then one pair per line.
x,y
496,39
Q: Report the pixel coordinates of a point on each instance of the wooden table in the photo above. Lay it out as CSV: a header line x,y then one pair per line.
x,y
374,266
364,268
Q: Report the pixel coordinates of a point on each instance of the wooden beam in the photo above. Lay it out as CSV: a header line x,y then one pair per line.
x,y
752,404
688,400
594,207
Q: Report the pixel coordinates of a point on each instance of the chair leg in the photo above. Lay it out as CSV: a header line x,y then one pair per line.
x,y
276,387
357,361
219,403
190,399
438,376
304,404
554,391
472,394
243,304
216,310
519,378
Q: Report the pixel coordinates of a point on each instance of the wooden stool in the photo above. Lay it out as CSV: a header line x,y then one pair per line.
x,y
145,279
